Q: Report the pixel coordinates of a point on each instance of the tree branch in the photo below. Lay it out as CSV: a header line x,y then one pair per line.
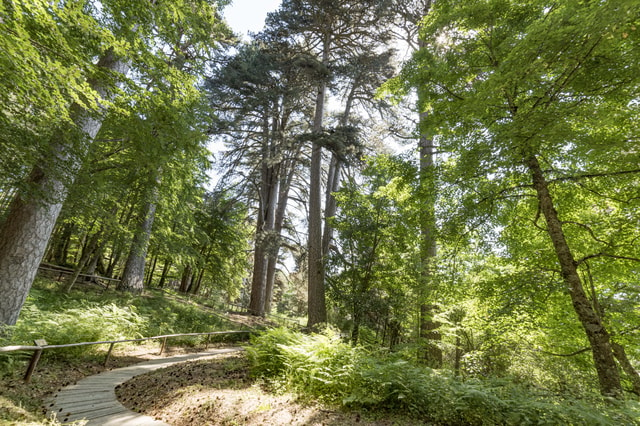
x,y
578,352
591,256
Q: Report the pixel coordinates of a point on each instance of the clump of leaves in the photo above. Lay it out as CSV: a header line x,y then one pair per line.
x,y
322,366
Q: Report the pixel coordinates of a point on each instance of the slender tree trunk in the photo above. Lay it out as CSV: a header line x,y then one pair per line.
x,y
357,320
317,310
265,221
26,230
185,281
92,267
195,288
133,274
89,249
256,301
627,367
595,330
165,271
333,185
334,178
152,270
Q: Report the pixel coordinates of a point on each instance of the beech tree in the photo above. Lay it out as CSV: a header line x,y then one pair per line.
x,y
121,35
525,97
409,15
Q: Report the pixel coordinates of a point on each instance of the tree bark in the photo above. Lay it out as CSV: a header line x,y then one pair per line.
x,y
133,274
165,271
627,367
317,310
287,172
185,281
595,330
27,228
429,328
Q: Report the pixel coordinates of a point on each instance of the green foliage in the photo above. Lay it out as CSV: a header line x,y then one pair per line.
x,y
85,323
372,272
62,318
322,366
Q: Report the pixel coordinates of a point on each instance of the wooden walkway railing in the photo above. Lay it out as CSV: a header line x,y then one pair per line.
x,y
41,345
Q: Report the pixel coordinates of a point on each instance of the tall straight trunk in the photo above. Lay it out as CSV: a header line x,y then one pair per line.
x,y
429,328
287,172
26,230
195,288
598,336
317,310
268,194
330,206
133,274
333,179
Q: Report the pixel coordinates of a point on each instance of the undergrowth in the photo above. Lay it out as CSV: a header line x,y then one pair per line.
x,y
85,316
322,366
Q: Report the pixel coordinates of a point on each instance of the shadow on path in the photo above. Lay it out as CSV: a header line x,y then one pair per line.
x,y
94,399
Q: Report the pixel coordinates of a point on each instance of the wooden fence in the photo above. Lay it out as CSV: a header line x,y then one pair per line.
x,y
41,345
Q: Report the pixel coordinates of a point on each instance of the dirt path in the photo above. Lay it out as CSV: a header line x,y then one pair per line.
x,y
219,391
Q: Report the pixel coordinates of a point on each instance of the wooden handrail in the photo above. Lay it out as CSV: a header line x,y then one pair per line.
x,y
38,349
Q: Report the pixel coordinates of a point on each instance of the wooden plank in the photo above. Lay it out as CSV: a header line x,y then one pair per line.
x,y
86,407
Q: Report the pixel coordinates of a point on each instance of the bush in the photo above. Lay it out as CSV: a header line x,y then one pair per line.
x,y
321,366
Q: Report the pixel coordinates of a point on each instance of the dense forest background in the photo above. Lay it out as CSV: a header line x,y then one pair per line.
x,y
453,180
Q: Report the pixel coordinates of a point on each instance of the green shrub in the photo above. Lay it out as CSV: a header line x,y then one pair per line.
x,y
321,366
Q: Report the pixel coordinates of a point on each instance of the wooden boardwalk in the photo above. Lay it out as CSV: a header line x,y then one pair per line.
x,y
94,398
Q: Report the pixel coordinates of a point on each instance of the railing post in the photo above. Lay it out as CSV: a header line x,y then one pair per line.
x,y
108,354
34,359
164,343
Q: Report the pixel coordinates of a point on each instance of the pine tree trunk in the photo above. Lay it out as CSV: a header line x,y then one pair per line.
x,y
26,230
595,330
287,171
317,310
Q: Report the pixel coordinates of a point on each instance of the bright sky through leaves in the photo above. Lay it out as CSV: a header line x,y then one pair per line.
x,y
248,15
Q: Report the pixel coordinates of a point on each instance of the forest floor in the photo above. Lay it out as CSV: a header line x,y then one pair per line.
x,y
216,391
220,391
